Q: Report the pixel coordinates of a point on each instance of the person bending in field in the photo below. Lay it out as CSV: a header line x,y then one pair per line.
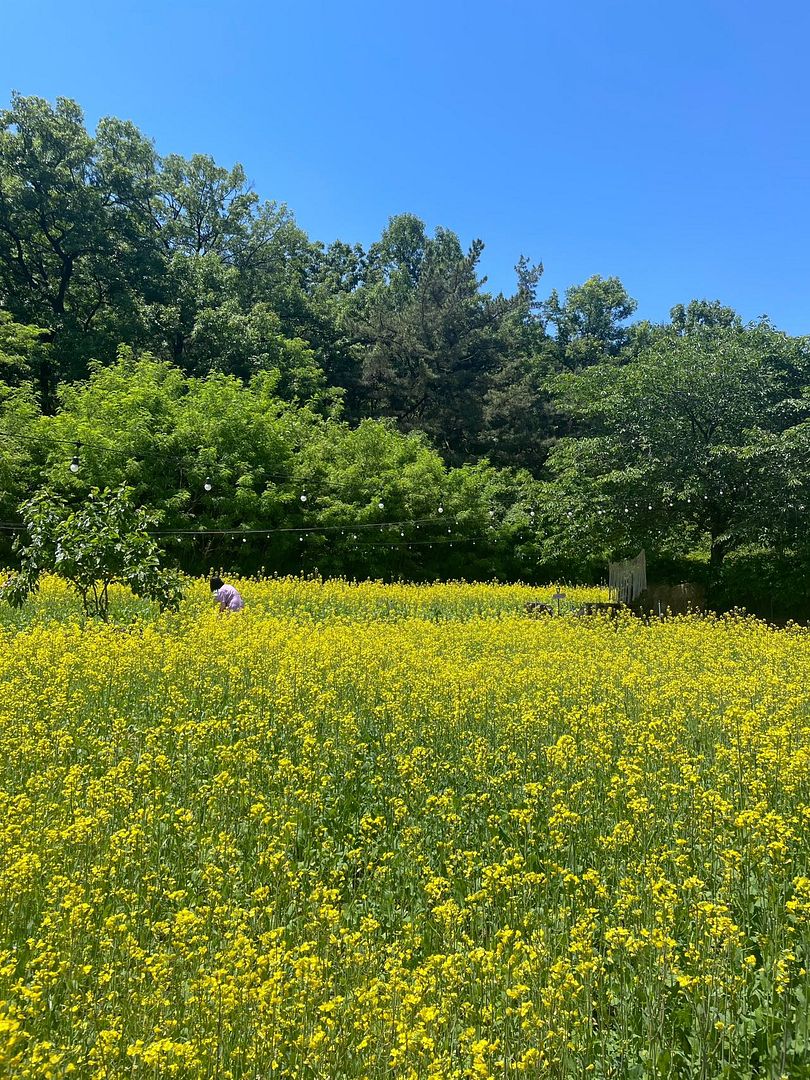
x,y
226,596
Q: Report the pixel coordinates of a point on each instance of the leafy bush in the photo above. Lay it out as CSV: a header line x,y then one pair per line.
x,y
102,542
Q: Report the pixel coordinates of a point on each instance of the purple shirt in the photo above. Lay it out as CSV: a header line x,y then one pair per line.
x,y
228,598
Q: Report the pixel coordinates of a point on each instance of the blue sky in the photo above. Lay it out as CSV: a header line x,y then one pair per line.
x,y
667,144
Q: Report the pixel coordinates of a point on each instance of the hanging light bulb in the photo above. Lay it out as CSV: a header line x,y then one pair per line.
x,y
303,496
401,533
207,484
649,506
301,539
381,504
74,464
441,509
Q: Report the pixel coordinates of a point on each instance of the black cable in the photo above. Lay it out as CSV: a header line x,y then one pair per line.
x,y
234,533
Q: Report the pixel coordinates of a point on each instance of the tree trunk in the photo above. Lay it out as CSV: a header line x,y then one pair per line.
x,y
47,384
718,552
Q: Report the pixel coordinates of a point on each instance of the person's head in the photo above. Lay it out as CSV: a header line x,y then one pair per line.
x,y
216,584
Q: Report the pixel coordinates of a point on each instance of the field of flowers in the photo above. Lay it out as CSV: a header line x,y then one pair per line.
x,y
401,831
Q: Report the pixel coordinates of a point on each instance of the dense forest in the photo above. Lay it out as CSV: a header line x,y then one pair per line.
x,y
377,408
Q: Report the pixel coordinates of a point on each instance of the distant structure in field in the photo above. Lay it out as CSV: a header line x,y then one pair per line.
x,y
628,579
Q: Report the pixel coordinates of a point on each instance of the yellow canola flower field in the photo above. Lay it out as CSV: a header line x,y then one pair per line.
x,y
401,831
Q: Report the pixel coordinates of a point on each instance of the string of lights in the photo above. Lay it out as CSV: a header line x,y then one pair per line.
x,y
352,540
80,445
9,526
438,542
103,447
308,491
307,484
243,533
351,531
416,522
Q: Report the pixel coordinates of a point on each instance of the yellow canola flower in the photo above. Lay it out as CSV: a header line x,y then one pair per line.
x,y
371,830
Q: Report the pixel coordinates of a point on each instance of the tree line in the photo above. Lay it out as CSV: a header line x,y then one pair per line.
x,y
155,309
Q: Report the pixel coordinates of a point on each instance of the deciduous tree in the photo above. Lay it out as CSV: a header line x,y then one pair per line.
x,y
77,246
688,440
102,542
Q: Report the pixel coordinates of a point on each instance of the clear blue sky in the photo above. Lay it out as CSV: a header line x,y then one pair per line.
x,y
666,143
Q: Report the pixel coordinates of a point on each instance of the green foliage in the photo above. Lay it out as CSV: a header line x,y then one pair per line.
x,y
769,582
588,323
158,311
143,423
102,242
19,468
101,542
209,328
76,248
697,439
19,345
431,338
700,315
208,209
